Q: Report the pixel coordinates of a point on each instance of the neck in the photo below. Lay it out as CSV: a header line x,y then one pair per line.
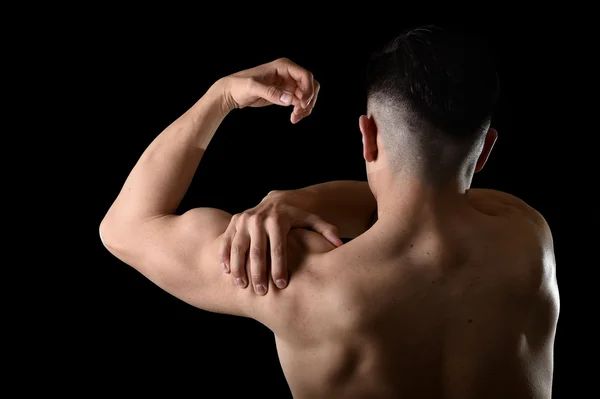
x,y
405,195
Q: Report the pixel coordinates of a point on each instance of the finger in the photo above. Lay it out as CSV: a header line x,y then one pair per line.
x,y
327,230
313,100
301,218
309,103
225,245
278,241
304,79
239,247
300,113
258,257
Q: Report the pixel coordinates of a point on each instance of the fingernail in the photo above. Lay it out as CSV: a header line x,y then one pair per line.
x,y
240,282
224,266
261,289
286,98
308,103
280,283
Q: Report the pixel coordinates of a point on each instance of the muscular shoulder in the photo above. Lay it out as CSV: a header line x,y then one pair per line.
x,y
524,228
511,208
499,203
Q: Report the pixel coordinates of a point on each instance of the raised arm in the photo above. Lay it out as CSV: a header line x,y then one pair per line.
x,y
177,252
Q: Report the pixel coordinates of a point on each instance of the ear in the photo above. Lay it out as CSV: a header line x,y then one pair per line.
x,y
490,139
368,129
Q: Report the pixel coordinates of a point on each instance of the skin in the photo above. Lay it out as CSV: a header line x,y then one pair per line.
x,y
450,293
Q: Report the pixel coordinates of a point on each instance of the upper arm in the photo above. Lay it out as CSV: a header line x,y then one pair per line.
x,y
535,232
543,317
179,254
532,232
529,228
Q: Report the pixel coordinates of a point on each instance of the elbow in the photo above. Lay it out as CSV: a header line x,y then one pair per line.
x,y
104,233
113,238
120,239
110,236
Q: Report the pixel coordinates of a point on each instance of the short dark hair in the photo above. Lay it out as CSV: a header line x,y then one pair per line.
x,y
444,81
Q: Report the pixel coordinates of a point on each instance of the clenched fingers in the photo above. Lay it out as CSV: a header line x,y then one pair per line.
x,y
303,78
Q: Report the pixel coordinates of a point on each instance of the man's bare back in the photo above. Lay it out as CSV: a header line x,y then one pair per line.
x,y
460,310
446,295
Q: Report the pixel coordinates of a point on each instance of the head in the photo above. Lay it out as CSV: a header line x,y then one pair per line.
x,y
430,98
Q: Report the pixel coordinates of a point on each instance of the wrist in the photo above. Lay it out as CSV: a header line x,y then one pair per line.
x,y
221,88
215,98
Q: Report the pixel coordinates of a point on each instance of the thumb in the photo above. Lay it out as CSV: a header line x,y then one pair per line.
x,y
327,230
333,236
276,95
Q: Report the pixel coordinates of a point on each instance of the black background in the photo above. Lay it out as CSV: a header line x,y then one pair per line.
x,y
136,76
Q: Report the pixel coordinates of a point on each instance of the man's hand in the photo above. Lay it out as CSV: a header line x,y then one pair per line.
x,y
270,220
278,82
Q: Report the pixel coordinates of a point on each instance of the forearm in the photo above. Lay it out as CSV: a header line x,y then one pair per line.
x,y
162,175
348,204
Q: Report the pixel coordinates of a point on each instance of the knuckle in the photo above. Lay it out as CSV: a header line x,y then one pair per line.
x,y
272,91
257,253
277,251
240,216
237,249
258,277
236,270
242,219
283,60
279,208
255,218
274,218
245,215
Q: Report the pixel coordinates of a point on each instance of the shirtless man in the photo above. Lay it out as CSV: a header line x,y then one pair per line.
x,y
447,292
